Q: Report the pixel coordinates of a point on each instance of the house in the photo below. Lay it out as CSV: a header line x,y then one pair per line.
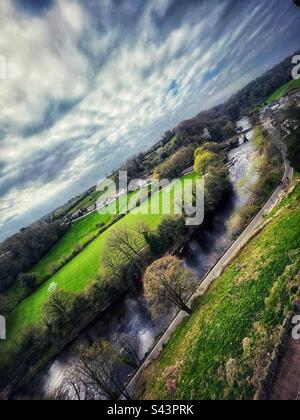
x,y
77,214
91,208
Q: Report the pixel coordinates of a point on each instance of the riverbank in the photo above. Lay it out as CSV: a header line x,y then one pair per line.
x,y
237,322
138,323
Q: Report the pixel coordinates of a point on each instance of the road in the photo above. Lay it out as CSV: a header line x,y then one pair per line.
x,y
216,271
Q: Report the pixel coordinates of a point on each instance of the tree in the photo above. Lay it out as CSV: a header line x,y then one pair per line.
x,y
123,246
217,185
20,252
167,282
203,161
129,352
57,312
293,144
96,368
229,130
210,146
176,164
6,304
28,280
293,112
170,229
113,266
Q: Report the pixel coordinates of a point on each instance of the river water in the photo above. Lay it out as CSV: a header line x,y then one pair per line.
x,y
131,319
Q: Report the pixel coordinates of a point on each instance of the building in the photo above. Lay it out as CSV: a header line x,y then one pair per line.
x,y
77,214
91,208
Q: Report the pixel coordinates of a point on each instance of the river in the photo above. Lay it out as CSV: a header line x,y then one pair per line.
x,y
131,319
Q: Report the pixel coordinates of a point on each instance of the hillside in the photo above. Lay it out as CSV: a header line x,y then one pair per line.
x,y
218,119
283,90
223,350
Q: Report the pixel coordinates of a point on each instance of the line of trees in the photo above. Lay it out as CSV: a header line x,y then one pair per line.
x,y
22,251
174,166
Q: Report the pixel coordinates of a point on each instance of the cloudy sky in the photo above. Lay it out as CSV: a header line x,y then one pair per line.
x,y
87,83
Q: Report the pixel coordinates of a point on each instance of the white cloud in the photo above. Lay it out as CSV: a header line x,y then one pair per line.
x,y
116,72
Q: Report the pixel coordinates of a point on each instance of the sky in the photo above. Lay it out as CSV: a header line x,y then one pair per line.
x,y
85,84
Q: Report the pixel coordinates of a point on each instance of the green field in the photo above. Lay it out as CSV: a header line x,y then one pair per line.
x,y
283,90
78,235
222,351
80,271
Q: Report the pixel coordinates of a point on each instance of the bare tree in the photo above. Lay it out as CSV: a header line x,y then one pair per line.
x,y
167,282
123,246
96,369
130,352
113,265
125,241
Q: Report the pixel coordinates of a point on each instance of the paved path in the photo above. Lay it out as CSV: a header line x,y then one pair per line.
x,y
216,271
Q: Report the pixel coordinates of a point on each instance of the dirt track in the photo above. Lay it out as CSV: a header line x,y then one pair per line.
x,y
287,383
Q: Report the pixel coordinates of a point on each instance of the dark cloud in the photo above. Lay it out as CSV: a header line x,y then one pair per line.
x,y
2,167
54,112
34,7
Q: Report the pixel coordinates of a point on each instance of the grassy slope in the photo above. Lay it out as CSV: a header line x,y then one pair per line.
x,y
75,275
251,299
283,90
